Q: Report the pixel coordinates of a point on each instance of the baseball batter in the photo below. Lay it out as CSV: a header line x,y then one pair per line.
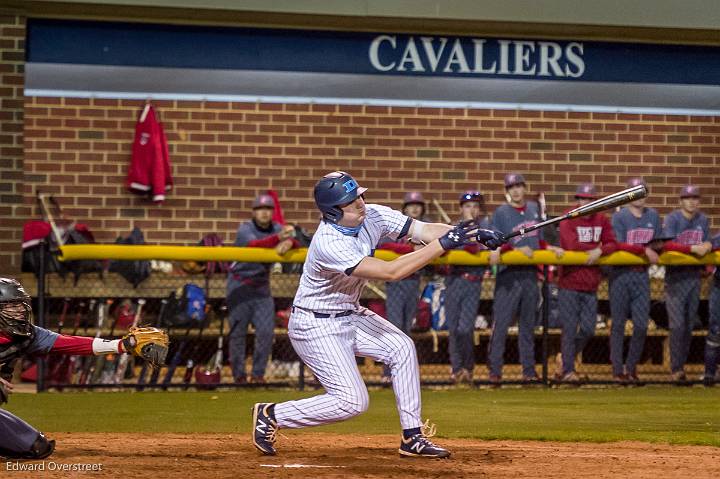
x,y
328,327
635,227
690,230
19,338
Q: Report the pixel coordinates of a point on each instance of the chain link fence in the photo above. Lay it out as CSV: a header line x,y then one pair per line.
x,y
548,335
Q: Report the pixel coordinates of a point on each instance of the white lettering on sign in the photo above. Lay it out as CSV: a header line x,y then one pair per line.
x,y
375,58
478,56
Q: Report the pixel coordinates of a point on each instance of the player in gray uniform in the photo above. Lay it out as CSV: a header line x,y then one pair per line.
x,y
516,288
712,341
635,227
463,286
328,328
690,230
402,296
248,290
20,338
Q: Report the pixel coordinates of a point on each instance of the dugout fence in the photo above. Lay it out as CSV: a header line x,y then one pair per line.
x,y
104,303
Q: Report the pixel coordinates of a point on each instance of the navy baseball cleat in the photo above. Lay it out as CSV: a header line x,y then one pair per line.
x,y
264,428
419,445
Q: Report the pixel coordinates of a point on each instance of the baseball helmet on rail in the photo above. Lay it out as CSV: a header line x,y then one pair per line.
x,y
15,309
333,190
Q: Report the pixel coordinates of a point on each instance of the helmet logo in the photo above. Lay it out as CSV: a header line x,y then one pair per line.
x,y
350,185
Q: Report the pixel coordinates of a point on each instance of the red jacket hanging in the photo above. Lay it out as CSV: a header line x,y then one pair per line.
x,y
149,172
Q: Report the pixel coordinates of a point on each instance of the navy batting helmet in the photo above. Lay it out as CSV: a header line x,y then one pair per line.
x,y
335,189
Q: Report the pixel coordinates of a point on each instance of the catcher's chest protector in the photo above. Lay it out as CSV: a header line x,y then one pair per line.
x,y
14,349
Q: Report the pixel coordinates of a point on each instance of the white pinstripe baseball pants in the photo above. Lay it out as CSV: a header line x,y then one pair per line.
x,y
328,346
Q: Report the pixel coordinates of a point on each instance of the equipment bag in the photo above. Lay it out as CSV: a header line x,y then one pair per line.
x,y
134,271
185,307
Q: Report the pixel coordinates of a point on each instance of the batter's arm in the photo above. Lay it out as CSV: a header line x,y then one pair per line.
x,y
399,268
402,267
424,233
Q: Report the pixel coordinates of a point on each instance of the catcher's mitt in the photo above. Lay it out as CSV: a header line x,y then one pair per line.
x,y
151,344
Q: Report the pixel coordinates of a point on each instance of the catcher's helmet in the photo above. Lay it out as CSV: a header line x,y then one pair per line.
x,y
335,189
15,309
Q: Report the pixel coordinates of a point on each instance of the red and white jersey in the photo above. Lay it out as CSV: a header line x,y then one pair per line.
x,y
584,234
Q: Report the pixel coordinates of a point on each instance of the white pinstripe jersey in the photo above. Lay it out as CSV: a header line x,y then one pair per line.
x,y
326,284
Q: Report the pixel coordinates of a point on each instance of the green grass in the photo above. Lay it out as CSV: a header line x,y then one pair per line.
x,y
670,415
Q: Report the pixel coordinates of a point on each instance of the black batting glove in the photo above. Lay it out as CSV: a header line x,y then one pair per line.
x,y
460,235
490,238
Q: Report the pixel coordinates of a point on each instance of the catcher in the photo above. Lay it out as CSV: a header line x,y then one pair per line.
x,y
19,337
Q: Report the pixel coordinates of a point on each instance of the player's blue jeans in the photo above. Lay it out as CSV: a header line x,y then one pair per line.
x,y
516,292
629,298
401,305
462,297
579,314
682,298
15,434
261,313
712,350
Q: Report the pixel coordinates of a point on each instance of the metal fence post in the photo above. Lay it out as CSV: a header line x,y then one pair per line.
x,y
40,316
545,321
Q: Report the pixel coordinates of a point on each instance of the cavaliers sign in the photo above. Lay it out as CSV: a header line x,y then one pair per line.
x,y
70,42
476,56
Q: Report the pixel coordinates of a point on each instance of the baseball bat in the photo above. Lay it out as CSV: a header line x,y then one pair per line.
x,y
74,360
86,360
161,321
191,362
146,365
214,365
105,365
605,203
78,317
55,366
440,209
89,369
217,366
47,216
381,294
177,358
61,321
88,320
125,358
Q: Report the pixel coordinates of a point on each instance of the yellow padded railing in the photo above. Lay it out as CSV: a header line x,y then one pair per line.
x,y
268,255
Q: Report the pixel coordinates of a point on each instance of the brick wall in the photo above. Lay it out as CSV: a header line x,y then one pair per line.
x,y
12,210
225,153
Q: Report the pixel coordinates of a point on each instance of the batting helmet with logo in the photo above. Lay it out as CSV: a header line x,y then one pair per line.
x,y
333,190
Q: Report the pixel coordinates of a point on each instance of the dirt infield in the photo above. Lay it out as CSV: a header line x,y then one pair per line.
x,y
230,456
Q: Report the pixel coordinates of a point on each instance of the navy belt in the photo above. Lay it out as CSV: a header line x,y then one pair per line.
x,y
331,315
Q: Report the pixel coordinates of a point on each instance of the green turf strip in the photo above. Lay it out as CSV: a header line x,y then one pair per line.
x,y
655,414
